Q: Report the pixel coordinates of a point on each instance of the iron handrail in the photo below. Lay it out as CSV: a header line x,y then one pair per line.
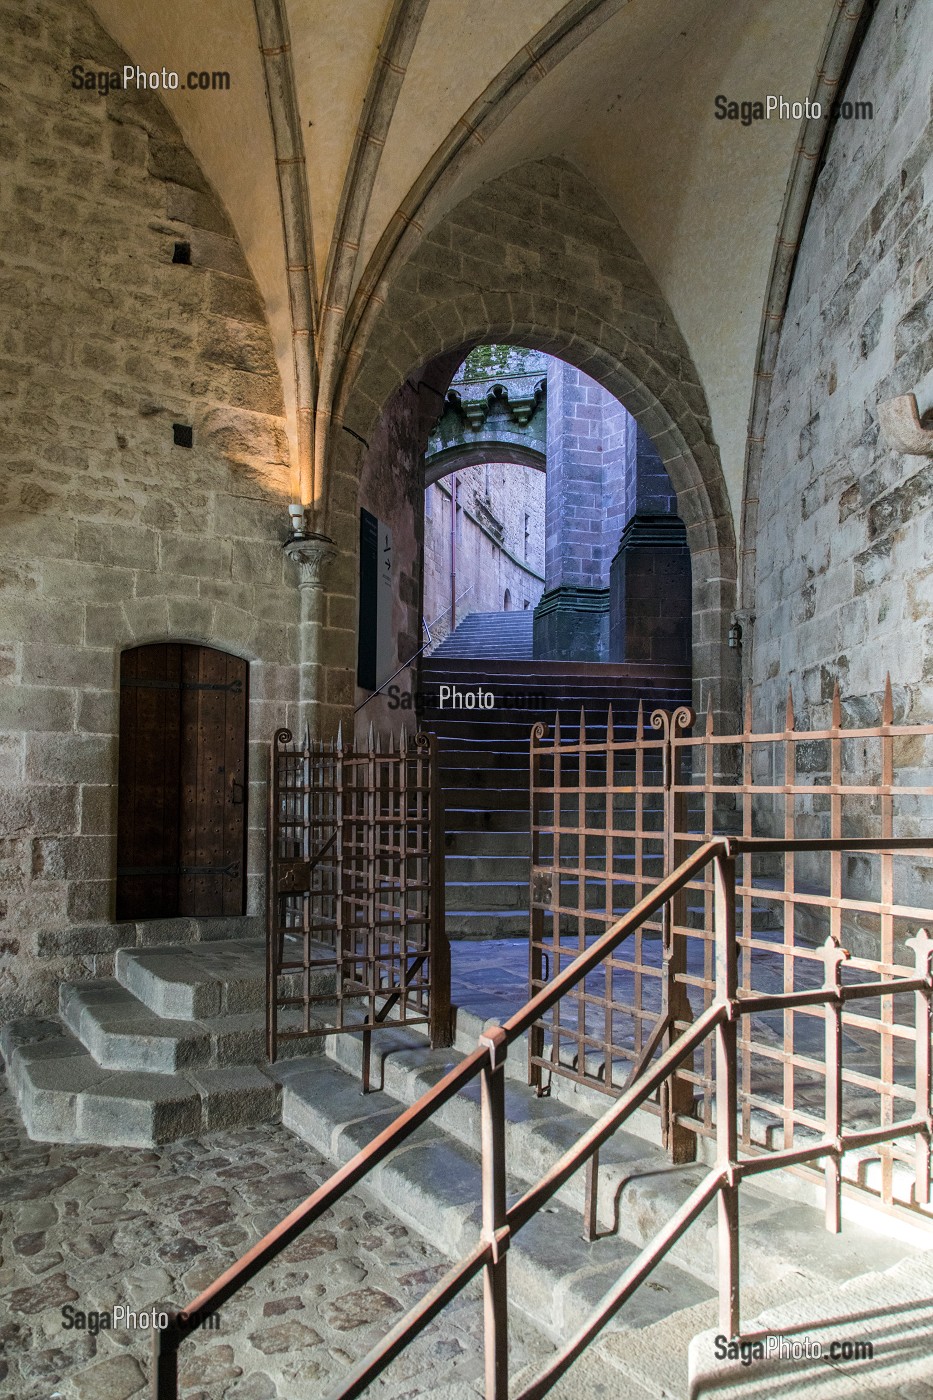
x,y
500,1223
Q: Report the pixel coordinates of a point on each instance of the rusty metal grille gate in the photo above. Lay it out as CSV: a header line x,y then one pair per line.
x,y
614,813
356,891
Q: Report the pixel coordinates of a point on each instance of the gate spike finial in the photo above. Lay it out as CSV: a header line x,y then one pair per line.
x,y
887,704
582,725
403,741
709,714
611,725
556,728
307,736
372,738
748,710
340,737
789,709
837,705
641,720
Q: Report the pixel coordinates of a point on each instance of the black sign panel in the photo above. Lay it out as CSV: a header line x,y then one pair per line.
x,y
369,583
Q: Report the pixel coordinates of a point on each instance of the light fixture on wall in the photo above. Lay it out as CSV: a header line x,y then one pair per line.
x,y
296,514
735,635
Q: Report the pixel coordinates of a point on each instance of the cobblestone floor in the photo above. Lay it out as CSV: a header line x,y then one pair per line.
x,y
95,1227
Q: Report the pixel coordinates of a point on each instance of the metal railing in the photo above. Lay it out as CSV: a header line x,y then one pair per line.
x,y
614,810
355,890
501,1222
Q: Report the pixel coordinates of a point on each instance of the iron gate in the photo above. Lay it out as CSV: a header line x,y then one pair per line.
x,y
356,891
614,815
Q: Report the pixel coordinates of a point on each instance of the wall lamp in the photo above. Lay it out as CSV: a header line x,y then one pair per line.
x,y
296,515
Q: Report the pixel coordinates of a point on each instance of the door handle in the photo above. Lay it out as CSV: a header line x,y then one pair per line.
x,y
237,799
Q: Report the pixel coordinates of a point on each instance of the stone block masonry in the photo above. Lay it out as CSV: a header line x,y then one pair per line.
x,y
110,534
845,523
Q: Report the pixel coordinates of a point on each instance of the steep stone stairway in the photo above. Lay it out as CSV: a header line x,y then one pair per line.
x,y
556,1277
172,1045
495,636
484,755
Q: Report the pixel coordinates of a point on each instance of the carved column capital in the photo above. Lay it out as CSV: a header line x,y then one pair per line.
x,y
312,554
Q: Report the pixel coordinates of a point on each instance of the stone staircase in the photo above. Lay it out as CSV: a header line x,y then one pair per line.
x,y
172,1045
484,757
492,635
432,1184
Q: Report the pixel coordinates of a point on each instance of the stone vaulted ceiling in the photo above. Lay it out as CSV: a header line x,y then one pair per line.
x,y
452,95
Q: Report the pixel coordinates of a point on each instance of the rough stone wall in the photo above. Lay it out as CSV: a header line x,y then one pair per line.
x,y
844,579
493,497
110,535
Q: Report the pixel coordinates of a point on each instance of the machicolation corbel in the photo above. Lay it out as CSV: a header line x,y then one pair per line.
x,y
901,425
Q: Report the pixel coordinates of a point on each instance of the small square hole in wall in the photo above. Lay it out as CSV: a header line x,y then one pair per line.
x,y
181,253
182,435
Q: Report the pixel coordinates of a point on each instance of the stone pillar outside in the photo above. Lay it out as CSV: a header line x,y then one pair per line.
x,y
571,623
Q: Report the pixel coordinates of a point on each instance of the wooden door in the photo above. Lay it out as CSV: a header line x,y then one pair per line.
x,y
181,831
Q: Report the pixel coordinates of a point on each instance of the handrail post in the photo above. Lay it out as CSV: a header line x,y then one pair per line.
x,y
922,945
726,1096
440,1012
163,1381
677,1095
834,957
495,1287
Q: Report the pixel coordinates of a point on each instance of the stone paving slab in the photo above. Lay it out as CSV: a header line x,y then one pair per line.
x,y
97,1227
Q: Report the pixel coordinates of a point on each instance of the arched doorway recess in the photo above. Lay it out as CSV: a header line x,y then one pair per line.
x,y
536,258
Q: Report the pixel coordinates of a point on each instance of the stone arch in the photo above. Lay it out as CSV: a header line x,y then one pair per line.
x,y
477,454
536,258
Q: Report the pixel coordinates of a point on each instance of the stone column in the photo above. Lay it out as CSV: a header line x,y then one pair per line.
x,y
650,604
312,555
571,621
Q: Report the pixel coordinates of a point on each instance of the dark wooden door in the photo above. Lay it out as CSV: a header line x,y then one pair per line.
x,y
181,831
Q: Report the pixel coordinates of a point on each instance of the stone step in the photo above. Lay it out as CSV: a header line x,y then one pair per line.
x,y
494,844
121,1033
469,817
490,767
433,1186
639,1189
486,923
65,1096
471,798
488,895
460,868
889,1308
193,981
